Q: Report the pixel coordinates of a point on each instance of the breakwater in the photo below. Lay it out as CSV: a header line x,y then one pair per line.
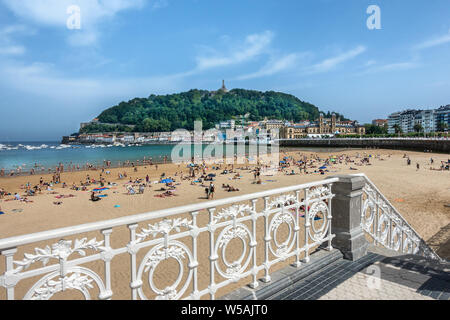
x,y
433,145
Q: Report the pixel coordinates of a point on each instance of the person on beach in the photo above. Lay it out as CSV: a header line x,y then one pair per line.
x,y
94,197
211,190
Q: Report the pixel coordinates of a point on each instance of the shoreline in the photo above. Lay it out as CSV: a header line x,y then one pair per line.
x,y
157,161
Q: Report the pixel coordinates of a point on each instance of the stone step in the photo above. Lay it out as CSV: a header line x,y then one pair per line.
x,y
285,279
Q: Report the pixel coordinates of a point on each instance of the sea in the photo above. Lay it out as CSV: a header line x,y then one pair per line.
x,y
49,154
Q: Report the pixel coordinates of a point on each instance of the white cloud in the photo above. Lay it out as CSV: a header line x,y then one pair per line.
x,y
45,80
12,50
393,67
83,38
437,41
273,66
370,63
254,45
8,44
331,63
53,13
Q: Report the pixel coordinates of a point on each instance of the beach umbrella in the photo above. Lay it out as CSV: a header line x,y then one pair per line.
x,y
322,168
166,181
211,175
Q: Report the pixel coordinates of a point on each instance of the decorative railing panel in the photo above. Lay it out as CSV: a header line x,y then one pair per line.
x,y
387,227
259,231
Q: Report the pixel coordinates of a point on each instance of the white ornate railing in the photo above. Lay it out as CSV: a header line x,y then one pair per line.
x,y
88,266
387,227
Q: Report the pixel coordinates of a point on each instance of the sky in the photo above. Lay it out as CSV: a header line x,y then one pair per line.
x,y
60,67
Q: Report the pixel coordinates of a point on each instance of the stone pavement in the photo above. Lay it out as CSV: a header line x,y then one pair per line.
x,y
375,276
363,286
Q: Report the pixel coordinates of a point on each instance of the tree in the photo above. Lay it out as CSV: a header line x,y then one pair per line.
x,y
418,127
442,126
374,129
150,125
175,111
397,128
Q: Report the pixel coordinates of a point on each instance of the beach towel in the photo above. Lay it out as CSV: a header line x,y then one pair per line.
x,y
102,196
100,189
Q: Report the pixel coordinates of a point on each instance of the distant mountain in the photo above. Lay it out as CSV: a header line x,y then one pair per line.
x,y
175,111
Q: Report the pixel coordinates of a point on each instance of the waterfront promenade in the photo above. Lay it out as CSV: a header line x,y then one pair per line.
x,y
417,144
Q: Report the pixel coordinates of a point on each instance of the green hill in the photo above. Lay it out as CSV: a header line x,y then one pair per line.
x,y
175,111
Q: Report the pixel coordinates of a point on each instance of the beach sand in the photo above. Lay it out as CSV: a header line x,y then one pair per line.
x,y
419,195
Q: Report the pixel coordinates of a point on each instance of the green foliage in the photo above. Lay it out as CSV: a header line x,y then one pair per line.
x,y
397,128
442,126
96,127
374,129
418,127
175,111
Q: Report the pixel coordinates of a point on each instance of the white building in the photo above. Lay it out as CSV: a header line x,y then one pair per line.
x,y
428,119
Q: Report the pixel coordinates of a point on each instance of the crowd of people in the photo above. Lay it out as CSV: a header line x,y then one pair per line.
x,y
199,174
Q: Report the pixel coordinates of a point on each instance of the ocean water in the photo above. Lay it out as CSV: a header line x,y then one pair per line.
x,y
28,155
44,154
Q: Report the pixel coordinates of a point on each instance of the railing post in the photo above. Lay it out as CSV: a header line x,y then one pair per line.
x,y
194,265
213,255
346,209
132,250
107,257
9,280
267,240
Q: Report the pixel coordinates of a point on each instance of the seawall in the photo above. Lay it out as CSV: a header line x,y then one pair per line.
x,y
434,145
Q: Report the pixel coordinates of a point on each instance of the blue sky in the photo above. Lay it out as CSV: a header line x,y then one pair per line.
x,y
52,78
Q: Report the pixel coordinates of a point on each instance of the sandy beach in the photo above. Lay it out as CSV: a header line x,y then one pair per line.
x,y
420,195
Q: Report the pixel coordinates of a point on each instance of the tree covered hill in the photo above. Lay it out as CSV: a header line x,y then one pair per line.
x,y
175,111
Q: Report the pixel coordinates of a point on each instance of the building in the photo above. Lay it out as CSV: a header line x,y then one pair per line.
x,y
224,125
442,118
432,120
273,124
393,121
426,120
380,122
322,126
